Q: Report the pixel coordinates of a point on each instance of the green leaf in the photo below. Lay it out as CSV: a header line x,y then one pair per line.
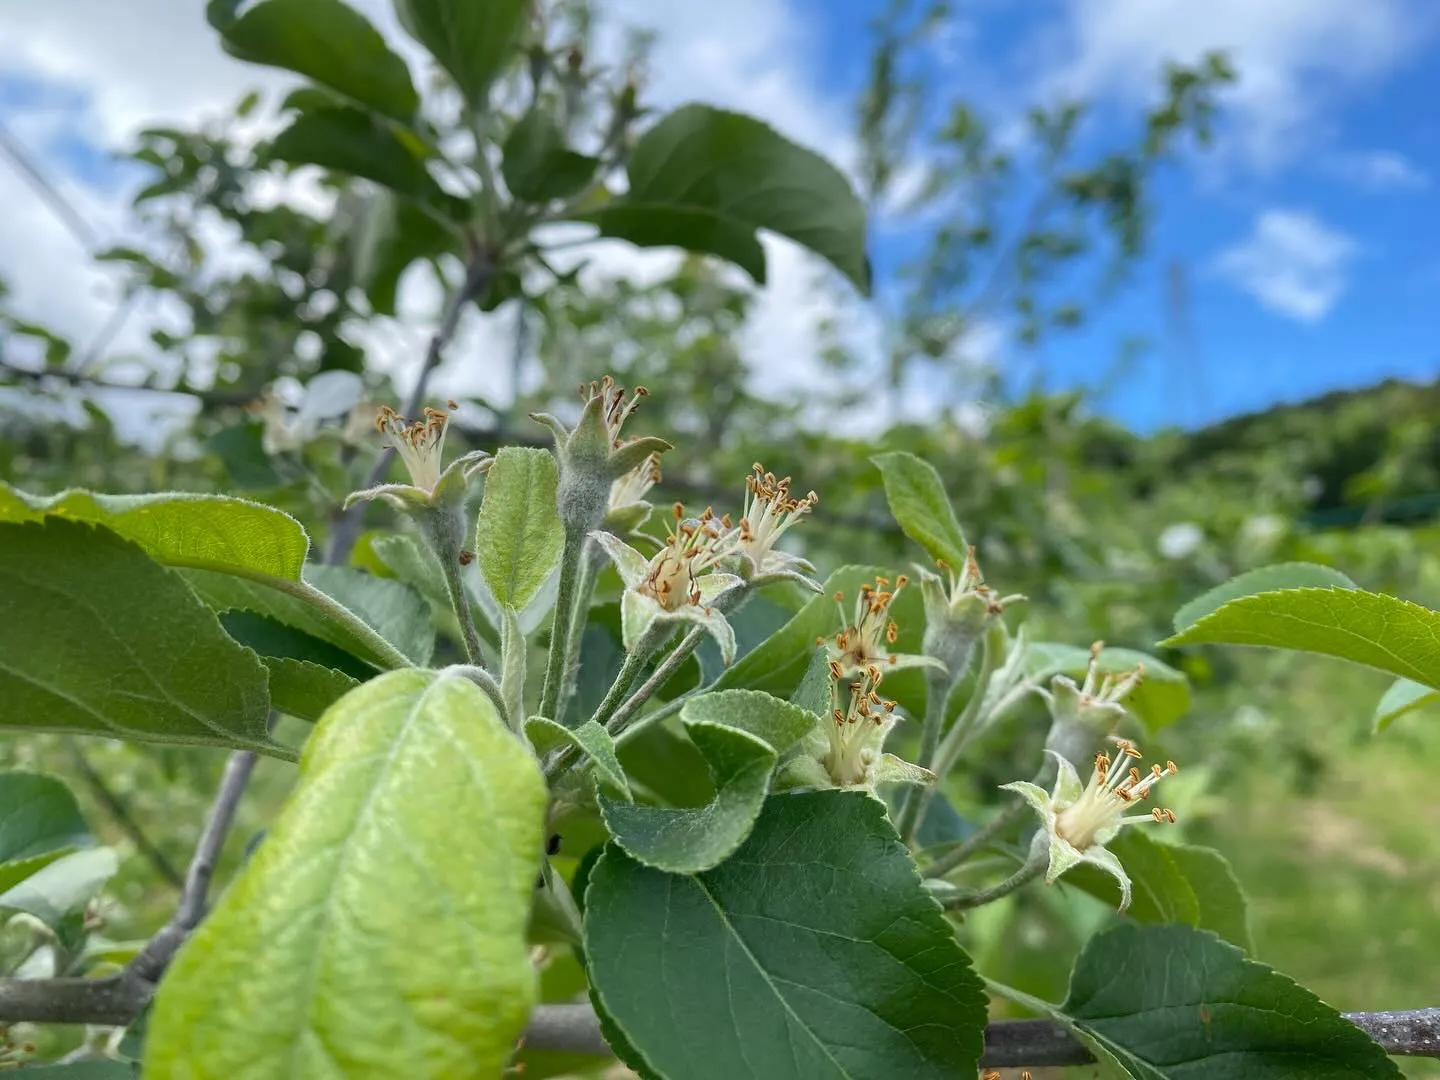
x,y
63,887
325,40
97,638
303,689
273,639
241,450
538,166
666,764
1162,697
473,40
1174,1003
302,610
1403,697
741,734
391,608
210,537
813,693
415,565
707,180
209,532
1172,883
519,535
590,738
352,141
1367,628
17,870
1292,575
382,920
813,952
38,815
920,505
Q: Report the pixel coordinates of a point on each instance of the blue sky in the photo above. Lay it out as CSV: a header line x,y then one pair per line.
x,y
1304,240
1304,243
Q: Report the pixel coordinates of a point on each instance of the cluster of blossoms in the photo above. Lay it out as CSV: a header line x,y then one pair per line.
x,y
702,558
1077,821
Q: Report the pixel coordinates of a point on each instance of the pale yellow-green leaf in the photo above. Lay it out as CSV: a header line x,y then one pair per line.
x,y
379,929
209,532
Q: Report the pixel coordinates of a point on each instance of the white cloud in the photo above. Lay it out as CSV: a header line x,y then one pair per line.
x,y
154,61
1292,263
1293,56
1379,171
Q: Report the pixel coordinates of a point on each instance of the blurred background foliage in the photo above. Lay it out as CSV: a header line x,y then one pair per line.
x,y
264,383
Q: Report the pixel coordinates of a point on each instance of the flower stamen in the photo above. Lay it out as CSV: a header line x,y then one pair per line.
x,y
421,442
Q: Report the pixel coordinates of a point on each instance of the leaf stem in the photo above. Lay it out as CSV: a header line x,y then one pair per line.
x,y
557,662
917,800
557,895
688,644
968,720
630,670
460,601
584,591
386,655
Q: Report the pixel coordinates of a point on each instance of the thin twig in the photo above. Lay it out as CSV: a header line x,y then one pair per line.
x,y
556,662
33,173
118,999
976,840
152,960
123,818
212,398
1026,874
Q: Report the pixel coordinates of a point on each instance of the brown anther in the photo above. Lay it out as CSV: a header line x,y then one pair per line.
x,y
466,557
1171,768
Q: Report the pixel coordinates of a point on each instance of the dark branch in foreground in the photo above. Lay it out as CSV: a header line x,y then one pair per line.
x,y
574,1028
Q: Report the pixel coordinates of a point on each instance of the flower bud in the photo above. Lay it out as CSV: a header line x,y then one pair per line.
x,y
592,454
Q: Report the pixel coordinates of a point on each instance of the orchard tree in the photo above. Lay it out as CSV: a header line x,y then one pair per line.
x,y
591,780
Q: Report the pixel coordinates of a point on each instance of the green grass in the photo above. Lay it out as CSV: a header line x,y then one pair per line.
x,y
1344,874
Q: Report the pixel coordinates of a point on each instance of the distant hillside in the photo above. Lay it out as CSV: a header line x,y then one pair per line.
x,y
1374,453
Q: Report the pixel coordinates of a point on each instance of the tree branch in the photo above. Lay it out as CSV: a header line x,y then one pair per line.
x,y
152,960
118,999
576,1029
